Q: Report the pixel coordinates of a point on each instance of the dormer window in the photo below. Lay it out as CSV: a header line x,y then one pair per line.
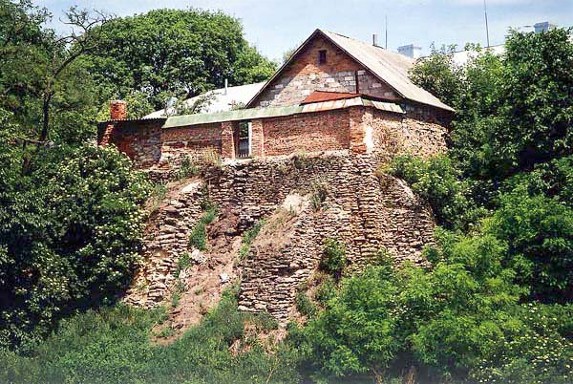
x,y
322,56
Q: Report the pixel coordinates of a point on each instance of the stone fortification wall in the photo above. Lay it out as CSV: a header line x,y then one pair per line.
x,y
360,208
365,212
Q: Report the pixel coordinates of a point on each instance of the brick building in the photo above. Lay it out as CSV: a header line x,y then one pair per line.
x,y
333,94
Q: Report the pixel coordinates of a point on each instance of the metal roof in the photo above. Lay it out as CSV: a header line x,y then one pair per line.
x,y
318,96
390,67
222,99
269,112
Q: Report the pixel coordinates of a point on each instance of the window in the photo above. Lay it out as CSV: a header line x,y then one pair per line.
x,y
322,56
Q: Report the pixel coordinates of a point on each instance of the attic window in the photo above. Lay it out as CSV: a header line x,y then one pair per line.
x,y
322,56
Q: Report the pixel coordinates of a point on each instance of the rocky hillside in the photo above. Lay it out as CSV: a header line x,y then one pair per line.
x,y
270,219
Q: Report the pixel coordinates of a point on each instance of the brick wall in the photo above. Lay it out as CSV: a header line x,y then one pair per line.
x,y
305,75
192,141
358,129
309,132
140,140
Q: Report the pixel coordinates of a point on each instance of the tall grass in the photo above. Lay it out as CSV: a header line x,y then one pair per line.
x,y
112,346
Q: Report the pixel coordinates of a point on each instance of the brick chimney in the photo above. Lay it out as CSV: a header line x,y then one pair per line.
x,y
118,110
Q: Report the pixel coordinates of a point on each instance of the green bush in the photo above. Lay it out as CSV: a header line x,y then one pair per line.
x,y
333,259
304,305
70,236
438,182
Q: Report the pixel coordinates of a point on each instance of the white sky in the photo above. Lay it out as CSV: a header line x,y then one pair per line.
x,y
275,26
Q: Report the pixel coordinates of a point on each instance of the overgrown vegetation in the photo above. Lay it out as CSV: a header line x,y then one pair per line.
x,y
333,258
198,236
248,239
111,345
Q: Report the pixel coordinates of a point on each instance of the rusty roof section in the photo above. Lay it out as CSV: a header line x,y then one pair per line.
x,y
270,112
318,96
390,67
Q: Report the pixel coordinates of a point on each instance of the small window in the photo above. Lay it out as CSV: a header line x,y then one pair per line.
x,y
322,56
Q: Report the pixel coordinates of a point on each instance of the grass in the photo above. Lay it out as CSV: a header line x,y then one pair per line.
x,y
198,236
112,346
248,239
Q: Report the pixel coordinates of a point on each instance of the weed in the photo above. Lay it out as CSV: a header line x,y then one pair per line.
x,y
158,194
198,236
186,168
319,193
301,161
304,305
248,239
166,332
333,258
183,263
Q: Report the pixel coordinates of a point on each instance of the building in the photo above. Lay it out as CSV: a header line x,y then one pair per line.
x,y
333,94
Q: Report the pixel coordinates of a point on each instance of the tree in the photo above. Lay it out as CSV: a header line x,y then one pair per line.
x,y
174,53
69,236
50,96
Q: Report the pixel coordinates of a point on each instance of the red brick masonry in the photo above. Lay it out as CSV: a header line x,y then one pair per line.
x,y
357,129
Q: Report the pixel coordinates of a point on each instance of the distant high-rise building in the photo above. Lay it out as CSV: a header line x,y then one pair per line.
x,y
410,50
543,26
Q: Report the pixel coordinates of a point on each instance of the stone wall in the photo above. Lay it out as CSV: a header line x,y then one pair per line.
x,y
365,212
394,134
304,75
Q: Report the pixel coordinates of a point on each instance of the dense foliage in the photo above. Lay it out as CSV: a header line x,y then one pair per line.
x,y
174,53
112,346
70,219
69,237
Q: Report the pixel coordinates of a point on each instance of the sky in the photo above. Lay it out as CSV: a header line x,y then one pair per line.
x,y
275,26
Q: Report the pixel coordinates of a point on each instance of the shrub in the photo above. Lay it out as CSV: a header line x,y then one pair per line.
x,y
304,305
186,168
438,182
333,258
70,237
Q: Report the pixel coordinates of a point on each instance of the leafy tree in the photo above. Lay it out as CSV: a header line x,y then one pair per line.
x,y
69,237
39,74
539,231
438,182
174,53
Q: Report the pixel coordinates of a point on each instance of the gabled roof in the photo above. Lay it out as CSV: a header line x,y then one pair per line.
x,y
389,67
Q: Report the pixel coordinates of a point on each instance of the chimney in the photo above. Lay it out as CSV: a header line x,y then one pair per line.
x,y
226,85
410,50
118,110
375,40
